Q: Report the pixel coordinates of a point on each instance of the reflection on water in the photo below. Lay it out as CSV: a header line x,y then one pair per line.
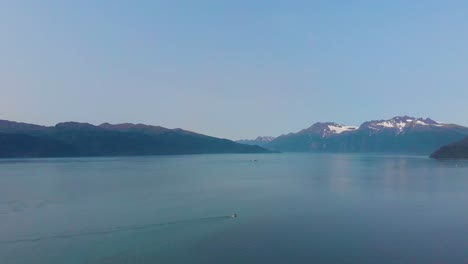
x,y
293,208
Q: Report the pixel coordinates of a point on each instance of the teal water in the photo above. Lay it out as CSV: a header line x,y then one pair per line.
x,y
292,208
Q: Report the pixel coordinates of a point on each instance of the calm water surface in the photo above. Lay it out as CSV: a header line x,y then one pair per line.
x,y
292,208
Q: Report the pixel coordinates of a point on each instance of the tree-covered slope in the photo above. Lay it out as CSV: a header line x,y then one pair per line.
x,y
457,150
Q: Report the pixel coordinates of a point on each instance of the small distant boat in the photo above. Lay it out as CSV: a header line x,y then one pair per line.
x,y
234,216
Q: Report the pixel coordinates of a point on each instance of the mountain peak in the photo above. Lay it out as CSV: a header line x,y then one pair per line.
x,y
410,119
260,141
399,124
325,129
142,128
265,138
75,125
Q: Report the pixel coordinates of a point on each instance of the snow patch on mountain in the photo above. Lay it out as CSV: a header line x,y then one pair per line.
x,y
265,139
393,124
338,129
260,141
419,122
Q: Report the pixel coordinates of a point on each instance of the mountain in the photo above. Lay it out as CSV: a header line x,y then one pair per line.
x,y
259,141
142,128
326,129
457,150
401,134
21,145
70,139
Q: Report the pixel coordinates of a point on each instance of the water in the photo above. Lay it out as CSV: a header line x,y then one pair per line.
x,y
292,208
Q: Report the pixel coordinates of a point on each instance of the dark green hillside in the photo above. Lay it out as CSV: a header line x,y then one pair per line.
x,y
457,150
21,145
81,139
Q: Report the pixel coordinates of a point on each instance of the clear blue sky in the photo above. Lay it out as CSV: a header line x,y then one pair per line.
x,y
233,69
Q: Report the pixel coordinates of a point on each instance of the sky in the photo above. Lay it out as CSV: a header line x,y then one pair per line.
x,y
233,69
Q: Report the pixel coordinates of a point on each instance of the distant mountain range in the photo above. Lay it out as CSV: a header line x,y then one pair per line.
x,y
401,134
72,139
457,150
259,141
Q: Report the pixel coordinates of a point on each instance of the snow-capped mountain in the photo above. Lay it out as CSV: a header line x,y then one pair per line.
x,y
260,141
327,129
265,139
398,134
400,124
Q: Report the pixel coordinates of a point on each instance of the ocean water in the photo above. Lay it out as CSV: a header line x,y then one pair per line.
x,y
292,208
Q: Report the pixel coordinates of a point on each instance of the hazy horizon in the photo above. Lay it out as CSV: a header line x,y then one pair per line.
x,y
233,70
305,126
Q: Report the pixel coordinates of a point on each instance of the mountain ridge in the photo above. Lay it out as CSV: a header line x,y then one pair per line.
x,y
259,141
400,134
73,139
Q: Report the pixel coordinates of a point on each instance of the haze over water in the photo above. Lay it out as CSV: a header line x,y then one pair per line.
x,y
292,208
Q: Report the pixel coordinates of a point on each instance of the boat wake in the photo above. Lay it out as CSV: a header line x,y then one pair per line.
x,y
115,229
